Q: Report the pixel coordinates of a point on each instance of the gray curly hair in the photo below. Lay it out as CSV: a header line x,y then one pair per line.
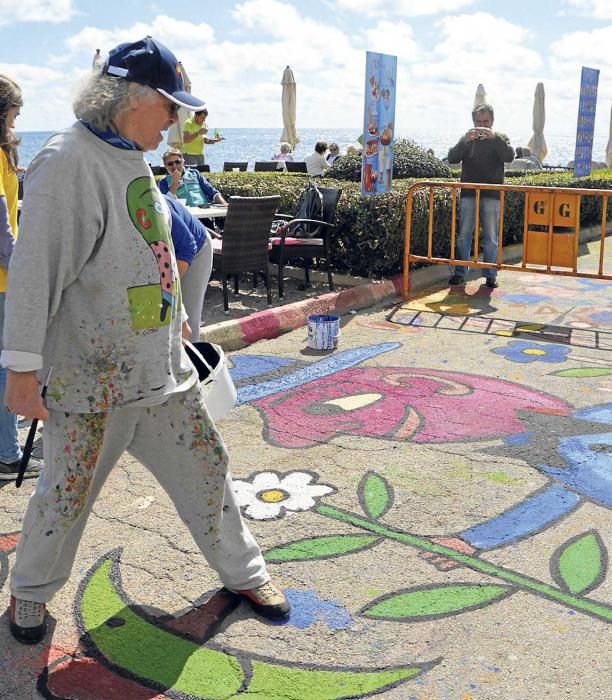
x,y
102,97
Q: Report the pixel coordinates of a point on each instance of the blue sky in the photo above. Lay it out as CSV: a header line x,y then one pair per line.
x,y
235,53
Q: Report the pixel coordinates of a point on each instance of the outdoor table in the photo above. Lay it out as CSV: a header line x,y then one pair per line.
x,y
215,211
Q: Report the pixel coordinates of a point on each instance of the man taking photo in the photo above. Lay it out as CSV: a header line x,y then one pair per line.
x,y
482,153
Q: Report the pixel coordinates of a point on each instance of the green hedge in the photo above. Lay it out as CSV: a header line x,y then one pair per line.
x,y
369,240
409,161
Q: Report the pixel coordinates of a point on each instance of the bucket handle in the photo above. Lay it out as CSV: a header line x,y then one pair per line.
x,y
199,355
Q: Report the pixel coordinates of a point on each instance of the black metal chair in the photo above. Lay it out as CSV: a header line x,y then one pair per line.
x,y
267,166
287,247
297,166
203,168
246,242
229,166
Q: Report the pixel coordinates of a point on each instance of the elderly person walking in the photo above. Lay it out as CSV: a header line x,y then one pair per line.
x,y
104,310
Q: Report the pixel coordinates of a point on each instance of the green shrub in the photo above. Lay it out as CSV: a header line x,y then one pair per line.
x,y
409,160
369,238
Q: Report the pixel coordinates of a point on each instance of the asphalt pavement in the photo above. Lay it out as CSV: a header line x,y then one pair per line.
x,y
433,496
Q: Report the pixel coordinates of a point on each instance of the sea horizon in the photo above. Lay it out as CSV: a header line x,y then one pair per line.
x,y
257,144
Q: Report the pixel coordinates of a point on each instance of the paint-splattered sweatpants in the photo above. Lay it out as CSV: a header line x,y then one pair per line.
x,y
179,444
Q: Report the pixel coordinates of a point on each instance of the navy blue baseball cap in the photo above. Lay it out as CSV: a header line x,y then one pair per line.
x,y
149,62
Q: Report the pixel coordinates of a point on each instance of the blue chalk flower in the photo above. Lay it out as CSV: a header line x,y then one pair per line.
x,y
524,351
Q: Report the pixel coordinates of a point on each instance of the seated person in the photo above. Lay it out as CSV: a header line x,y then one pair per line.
x,y
285,152
334,153
315,162
524,160
194,258
187,183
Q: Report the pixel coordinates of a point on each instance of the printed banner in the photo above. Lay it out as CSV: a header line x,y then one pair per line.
x,y
378,123
586,121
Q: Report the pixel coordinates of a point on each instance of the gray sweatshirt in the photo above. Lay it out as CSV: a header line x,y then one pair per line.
x,y
93,287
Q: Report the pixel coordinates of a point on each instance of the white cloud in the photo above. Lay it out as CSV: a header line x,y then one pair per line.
x,y
272,17
567,57
396,38
238,72
583,49
472,46
240,80
599,9
402,8
47,95
174,33
55,11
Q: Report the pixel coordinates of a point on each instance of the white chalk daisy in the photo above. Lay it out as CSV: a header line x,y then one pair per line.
x,y
267,495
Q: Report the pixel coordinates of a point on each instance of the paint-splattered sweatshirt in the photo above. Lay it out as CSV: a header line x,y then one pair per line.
x,y
93,290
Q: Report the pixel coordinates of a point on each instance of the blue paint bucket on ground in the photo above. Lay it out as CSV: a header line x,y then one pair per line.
x,y
323,331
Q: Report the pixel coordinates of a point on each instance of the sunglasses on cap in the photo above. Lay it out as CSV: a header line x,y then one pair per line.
x,y
178,161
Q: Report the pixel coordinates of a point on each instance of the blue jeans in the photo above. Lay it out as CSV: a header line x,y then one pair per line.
x,y
489,220
9,445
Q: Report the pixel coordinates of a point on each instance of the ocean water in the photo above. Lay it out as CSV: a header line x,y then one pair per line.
x,y
260,144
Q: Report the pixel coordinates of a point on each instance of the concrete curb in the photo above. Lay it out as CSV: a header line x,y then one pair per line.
x,y
265,325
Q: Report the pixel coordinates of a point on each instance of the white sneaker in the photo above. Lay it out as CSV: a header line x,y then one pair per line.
x,y
28,620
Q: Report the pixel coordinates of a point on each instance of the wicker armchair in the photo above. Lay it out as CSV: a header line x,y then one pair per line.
x,y
245,244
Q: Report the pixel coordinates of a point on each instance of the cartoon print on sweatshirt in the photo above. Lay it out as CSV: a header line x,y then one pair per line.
x,y
149,304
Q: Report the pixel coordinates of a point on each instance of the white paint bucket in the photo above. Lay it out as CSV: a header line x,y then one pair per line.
x,y
323,331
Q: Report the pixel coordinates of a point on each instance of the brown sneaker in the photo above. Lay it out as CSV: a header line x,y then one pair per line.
x,y
28,620
267,600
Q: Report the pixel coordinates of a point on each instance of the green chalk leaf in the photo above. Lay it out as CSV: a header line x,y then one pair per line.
x,y
323,547
578,566
375,495
305,684
435,601
582,372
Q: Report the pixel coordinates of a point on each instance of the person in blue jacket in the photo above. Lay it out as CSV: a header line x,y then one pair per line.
x,y
194,257
187,183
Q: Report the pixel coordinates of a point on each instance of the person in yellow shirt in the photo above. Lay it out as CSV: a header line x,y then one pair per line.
x,y
195,137
10,106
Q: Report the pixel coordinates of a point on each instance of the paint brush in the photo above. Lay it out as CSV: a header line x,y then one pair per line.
x,y
29,443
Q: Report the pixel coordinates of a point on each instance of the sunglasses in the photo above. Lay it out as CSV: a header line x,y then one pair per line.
x,y
172,108
178,161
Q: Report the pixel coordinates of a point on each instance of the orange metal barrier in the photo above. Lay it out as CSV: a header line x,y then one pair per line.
x,y
556,208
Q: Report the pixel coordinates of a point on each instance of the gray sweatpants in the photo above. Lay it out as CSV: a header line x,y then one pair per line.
x,y
193,287
179,444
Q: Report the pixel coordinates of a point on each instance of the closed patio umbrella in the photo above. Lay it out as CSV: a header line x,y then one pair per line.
x,y
609,146
290,134
480,98
537,143
175,132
